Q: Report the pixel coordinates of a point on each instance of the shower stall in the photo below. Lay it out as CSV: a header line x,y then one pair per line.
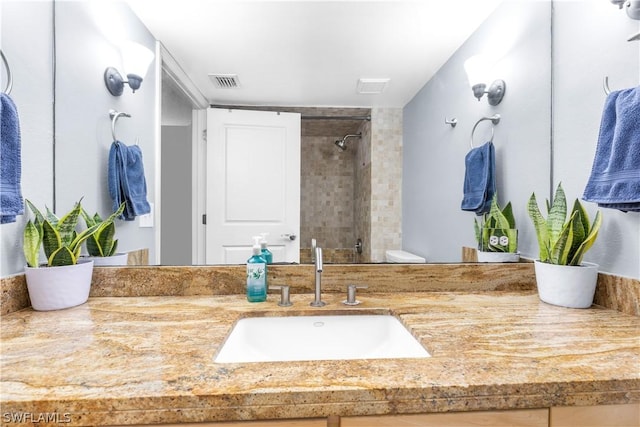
x,y
334,170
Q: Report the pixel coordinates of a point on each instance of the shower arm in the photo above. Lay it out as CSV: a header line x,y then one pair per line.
x,y
359,135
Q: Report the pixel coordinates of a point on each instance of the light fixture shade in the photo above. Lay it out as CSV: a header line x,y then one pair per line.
x,y
136,58
478,69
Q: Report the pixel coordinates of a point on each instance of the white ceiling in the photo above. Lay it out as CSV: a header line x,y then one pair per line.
x,y
312,53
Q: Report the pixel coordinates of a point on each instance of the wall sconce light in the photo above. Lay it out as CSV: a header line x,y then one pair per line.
x,y
135,60
478,71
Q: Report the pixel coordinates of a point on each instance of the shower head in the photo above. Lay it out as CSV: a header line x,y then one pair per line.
x,y
342,143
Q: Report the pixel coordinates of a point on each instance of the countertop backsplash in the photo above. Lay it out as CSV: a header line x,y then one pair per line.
x,y
614,292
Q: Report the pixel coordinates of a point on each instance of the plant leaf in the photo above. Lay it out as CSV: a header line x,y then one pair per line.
x,y
93,247
31,244
105,238
580,229
74,246
476,229
557,216
540,225
508,213
36,211
50,239
89,220
500,221
62,256
51,217
588,241
67,225
114,248
562,246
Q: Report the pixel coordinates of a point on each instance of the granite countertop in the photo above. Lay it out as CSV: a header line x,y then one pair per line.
x,y
128,360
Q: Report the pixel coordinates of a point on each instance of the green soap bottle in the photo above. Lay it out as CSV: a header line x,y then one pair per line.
x,y
266,253
256,275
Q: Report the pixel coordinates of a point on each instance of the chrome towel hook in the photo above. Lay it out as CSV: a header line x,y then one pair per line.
x,y
114,118
605,85
9,86
495,119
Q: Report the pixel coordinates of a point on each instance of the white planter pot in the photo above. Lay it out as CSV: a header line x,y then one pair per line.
x,y
55,288
566,285
117,259
498,256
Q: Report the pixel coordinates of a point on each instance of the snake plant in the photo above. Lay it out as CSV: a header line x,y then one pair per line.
x,y
57,236
560,241
497,232
102,242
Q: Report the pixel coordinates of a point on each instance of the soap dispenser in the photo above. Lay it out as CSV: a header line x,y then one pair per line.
x,y
256,274
266,253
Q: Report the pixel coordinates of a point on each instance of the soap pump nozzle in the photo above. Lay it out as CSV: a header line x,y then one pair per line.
x,y
256,245
266,253
263,240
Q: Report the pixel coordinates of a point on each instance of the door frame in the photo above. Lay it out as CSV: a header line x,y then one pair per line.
x,y
167,63
199,187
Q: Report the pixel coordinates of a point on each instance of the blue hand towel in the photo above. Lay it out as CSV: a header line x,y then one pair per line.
x,y
11,203
615,175
126,180
479,179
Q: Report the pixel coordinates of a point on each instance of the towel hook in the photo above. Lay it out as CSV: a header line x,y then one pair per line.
x,y
452,122
9,86
605,85
495,119
114,118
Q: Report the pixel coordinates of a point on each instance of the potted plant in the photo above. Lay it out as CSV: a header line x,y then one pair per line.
x,y
497,235
102,244
562,277
64,280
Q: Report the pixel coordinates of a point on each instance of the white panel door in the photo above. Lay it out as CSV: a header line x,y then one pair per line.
x,y
253,184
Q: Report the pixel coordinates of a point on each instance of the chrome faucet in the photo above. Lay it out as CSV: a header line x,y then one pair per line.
x,y
317,302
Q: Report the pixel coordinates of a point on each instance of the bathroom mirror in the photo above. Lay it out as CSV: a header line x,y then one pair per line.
x,y
343,250
69,110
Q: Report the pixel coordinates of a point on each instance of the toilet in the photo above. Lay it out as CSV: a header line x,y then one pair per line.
x,y
403,257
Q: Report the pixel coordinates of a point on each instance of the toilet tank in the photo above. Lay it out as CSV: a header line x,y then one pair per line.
x,y
403,257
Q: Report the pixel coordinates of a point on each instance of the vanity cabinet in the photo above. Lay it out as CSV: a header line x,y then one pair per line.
x,y
569,416
596,416
510,418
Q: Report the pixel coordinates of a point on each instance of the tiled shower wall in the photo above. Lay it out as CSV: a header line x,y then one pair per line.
x,y
363,193
327,192
355,194
386,181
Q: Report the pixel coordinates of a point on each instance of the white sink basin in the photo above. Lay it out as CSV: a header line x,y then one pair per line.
x,y
273,339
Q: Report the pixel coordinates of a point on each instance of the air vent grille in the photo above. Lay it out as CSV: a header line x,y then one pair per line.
x,y
225,81
372,85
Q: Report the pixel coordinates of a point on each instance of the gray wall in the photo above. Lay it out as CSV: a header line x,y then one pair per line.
x,y
176,195
433,225
82,102
177,173
85,48
590,43
25,39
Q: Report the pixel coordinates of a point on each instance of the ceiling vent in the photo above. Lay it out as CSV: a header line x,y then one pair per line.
x,y
369,86
225,81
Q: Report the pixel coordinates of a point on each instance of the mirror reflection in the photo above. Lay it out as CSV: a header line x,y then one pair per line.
x,y
371,196
387,190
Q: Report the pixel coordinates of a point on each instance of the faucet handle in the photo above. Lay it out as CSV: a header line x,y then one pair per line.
x,y
351,294
285,300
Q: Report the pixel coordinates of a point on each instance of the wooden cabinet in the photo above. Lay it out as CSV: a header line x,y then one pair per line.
x,y
308,422
511,418
569,416
596,416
